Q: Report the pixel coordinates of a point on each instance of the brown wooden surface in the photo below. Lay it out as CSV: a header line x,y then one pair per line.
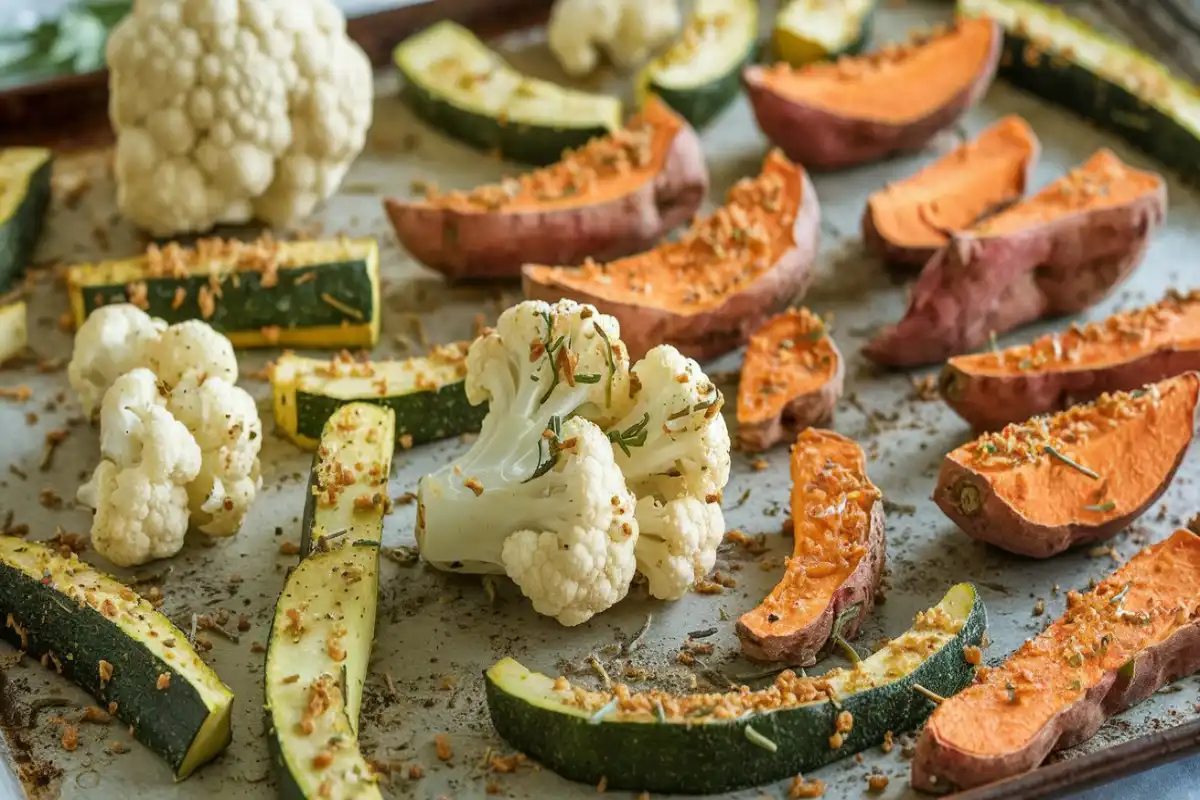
x,y
71,112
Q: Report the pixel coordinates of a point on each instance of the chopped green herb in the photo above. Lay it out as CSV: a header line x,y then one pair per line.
x,y
758,739
1101,507
1071,463
602,712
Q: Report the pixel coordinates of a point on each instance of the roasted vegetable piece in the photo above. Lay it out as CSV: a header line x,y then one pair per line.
x,y
816,30
907,221
1059,252
828,116
321,293
614,196
100,634
707,743
456,84
1122,352
1080,475
706,293
1114,647
320,638
699,75
425,392
829,584
24,198
791,379
14,329
1062,59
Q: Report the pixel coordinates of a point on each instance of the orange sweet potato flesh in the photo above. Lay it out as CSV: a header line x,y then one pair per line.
x,y
1124,351
1059,252
1081,475
837,559
792,377
906,222
1115,646
709,291
833,115
617,195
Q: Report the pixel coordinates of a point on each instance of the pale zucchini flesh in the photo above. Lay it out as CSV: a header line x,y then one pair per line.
x,y
14,330
815,30
24,198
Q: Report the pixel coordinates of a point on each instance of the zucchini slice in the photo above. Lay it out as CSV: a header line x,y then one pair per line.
x,y
1064,60
699,75
819,30
261,294
111,642
426,393
14,330
320,639
711,743
459,86
24,198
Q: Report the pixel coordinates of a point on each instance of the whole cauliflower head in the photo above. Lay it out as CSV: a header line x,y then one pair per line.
x,y
223,418
111,341
672,444
231,110
138,489
192,346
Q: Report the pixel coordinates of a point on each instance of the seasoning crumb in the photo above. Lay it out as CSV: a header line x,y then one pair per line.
x,y
164,681
70,738
888,742
877,783
289,548
760,464
602,786
106,672
801,788
844,723
1039,607
441,744
117,748
972,655
835,741
416,772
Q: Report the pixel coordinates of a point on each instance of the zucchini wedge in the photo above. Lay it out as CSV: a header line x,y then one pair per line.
x,y
820,30
111,642
426,393
702,744
320,639
321,293
1064,60
24,198
14,330
467,91
699,75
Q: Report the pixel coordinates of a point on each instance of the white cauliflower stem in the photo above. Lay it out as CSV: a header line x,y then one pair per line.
x,y
138,489
536,497
228,110
110,342
673,448
630,30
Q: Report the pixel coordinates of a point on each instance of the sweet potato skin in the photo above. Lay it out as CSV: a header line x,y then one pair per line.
x,y
717,330
825,140
975,286
940,767
989,402
801,647
494,245
812,409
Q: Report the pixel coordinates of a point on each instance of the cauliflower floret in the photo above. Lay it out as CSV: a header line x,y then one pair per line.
x,y
138,489
630,30
224,420
191,346
536,497
228,110
111,341
673,447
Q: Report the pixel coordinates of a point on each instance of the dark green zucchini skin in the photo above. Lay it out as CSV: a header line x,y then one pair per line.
x,y
246,305
535,145
1102,102
166,721
20,232
717,757
700,105
426,416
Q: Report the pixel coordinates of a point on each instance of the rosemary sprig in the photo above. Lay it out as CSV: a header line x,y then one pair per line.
x,y
756,738
1071,462
554,428
847,649
933,697
633,436
1119,596
612,363
1101,508
602,712
659,711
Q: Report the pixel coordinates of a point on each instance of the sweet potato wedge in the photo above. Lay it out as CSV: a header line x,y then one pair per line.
x,y
828,587
908,221
616,195
1137,630
707,292
1059,252
792,377
1080,475
1120,353
828,116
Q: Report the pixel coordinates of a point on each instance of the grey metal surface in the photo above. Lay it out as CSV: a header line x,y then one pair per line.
x,y
436,633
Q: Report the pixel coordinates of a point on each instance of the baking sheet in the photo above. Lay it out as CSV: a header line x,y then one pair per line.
x,y
436,632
